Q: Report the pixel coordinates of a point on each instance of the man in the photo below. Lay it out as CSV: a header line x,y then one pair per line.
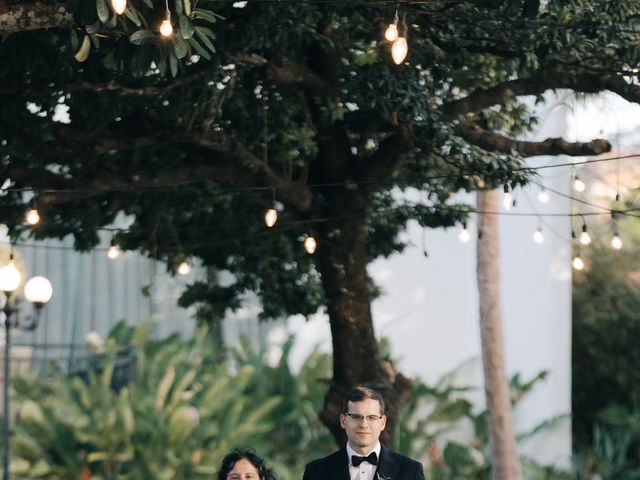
x,y
364,457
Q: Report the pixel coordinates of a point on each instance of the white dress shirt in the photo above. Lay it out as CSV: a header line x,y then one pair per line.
x,y
364,471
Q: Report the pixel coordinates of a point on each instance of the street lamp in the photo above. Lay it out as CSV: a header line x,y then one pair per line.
x,y
38,291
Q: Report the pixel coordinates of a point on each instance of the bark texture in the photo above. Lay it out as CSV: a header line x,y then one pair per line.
x,y
505,462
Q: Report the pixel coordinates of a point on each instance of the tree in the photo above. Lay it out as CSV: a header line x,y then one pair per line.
x,y
300,102
502,438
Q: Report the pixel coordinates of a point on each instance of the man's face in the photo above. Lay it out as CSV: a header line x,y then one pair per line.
x,y
364,430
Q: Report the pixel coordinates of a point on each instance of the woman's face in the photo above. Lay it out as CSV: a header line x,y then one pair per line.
x,y
243,469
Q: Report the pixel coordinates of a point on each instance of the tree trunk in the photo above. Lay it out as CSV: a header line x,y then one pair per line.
x,y
341,259
505,462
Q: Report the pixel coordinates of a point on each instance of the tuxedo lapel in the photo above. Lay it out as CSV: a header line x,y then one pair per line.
x,y
388,465
338,466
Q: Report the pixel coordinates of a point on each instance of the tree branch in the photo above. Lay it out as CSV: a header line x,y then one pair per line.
x,y
227,160
494,142
582,82
383,162
34,16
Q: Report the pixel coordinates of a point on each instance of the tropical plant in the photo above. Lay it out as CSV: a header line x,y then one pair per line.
x,y
175,420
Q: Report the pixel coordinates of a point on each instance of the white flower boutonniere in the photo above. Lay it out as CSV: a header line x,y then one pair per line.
x,y
382,477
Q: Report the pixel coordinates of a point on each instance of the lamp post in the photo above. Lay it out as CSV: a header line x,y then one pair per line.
x,y
38,291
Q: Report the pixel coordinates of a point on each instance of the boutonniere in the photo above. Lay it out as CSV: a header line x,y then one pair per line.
x,y
382,477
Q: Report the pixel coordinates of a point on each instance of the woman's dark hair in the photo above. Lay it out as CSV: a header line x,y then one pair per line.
x,y
249,454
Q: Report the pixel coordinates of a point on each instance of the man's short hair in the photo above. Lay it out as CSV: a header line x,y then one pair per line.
x,y
360,393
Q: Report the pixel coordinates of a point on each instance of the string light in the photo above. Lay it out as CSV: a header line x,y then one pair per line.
x,y
184,268
166,29
578,263
400,47
538,236
10,276
543,196
399,50
507,199
113,252
32,217
616,241
271,215
310,245
391,33
464,233
119,6
578,185
585,238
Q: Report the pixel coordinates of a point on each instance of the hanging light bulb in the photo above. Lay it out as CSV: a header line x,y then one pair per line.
x,y
538,236
184,268
464,234
578,185
543,196
585,238
166,29
119,6
310,245
507,199
32,217
10,276
271,217
391,33
616,241
578,263
399,50
113,252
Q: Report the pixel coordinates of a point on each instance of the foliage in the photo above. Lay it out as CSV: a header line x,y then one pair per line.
x,y
605,387
176,419
437,417
606,298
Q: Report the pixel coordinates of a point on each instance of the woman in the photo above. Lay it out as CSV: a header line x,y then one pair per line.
x,y
244,464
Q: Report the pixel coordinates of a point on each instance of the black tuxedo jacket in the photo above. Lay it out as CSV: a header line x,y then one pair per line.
x,y
391,466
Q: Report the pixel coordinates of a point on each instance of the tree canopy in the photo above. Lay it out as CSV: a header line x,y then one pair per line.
x,y
194,136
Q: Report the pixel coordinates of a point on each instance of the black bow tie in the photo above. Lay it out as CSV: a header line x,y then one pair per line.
x,y
372,458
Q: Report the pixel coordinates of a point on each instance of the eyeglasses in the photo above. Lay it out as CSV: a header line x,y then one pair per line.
x,y
356,417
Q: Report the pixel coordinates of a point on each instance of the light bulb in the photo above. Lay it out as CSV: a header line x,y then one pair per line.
x,y
538,236
184,268
399,50
464,234
616,242
10,277
585,238
271,217
32,216
507,201
119,6
38,290
578,185
543,196
310,245
578,263
391,33
113,252
166,29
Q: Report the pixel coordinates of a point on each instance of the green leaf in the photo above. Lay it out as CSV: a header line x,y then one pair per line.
x,y
203,33
85,48
133,16
186,27
178,4
180,47
206,15
142,37
103,10
173,64
187,7
198,48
